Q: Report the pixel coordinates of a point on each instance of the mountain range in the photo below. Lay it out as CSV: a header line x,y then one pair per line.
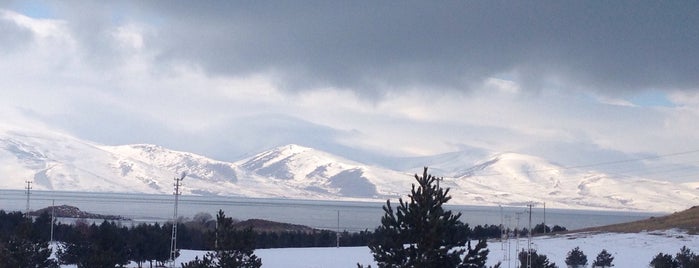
x,y
56,161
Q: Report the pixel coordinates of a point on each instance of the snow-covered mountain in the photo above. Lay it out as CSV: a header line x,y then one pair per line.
x,y
512,179
56,161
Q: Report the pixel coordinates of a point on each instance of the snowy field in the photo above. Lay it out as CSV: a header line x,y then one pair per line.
x,y
629,250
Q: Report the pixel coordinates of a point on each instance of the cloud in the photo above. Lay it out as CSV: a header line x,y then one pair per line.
x,y
14,36
226,79
374,48
377,47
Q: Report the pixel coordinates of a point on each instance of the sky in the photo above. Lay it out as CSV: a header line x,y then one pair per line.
x,y
580,83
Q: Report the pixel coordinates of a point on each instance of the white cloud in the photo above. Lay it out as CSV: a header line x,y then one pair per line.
x,y
141,93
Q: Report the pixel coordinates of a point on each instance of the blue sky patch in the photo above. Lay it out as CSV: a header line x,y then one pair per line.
x,y
651,98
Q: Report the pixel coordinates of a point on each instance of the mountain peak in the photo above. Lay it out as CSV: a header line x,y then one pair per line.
x,y
64,163
292,149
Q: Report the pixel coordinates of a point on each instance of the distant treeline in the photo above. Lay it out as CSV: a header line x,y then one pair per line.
x,y
197,234
150,243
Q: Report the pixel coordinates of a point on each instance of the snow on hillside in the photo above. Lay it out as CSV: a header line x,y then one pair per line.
x,y
57,161
54,161
628,250
326,174
514,179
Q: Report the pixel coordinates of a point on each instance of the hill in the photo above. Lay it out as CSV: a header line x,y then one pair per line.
x,y
65,211
266,226
687,220
55,161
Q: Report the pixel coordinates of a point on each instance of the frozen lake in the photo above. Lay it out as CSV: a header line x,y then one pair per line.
x,y
354,216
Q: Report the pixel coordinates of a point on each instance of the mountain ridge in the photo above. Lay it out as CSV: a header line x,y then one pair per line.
x,y
60,162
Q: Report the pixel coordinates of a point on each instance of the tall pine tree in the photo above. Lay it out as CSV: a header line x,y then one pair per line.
x,y
420,232
233,248
576,258
537,260
604,259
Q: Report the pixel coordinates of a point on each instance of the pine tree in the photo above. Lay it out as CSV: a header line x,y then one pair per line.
x,y
686,258
604,259
537,260
233,249
420,232
18,252
663,261
21,244
576,258
96,246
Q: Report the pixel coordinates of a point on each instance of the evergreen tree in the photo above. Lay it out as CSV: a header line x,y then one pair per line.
x,y
537,260
420,232
21,244
19,252
686,258
557,228
540,229
604,259
233,248
199,263
663,261
576,258
97,246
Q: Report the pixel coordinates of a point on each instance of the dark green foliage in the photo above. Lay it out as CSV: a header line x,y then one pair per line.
x,y
149,243
684,259
576,258
420,233
233,248
96,246
22,243
199,263
540,229
19,252
604,259
537,260
476,256
663,261
557,228
486,231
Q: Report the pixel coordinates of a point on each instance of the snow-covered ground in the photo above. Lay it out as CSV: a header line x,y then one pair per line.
x,y
629,250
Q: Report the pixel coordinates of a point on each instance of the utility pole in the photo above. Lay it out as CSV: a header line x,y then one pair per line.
x,y
502,230
338,229
173,242
53,217
544,217
529,239
506,234
517,231
28,188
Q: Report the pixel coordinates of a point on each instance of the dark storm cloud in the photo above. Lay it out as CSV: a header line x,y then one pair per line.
x,y
368,45
372,46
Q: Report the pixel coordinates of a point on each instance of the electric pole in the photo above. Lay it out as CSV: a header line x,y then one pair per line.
x,y
544,217
338,229
517,231
529,239
53,214
28,188
173,242
502,230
